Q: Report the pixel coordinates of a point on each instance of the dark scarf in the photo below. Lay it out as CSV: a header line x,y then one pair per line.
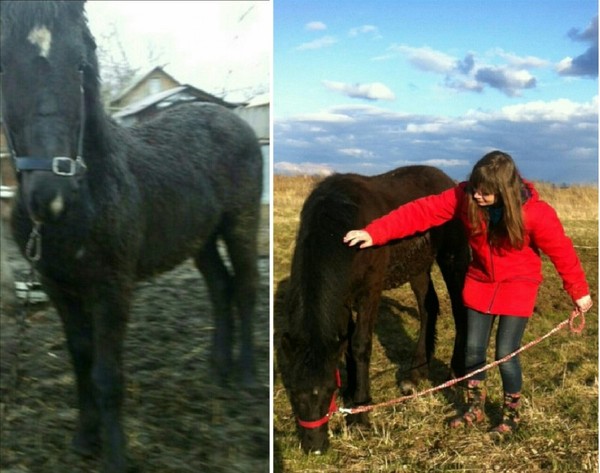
x,y
496,211
495,214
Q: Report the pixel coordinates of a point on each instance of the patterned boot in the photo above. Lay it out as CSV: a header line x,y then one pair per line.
x,y
475,405
510,416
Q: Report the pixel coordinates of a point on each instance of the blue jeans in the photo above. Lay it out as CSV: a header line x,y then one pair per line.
x,y
508,339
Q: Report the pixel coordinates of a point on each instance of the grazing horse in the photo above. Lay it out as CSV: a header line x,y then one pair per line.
x,y
334,290
100,206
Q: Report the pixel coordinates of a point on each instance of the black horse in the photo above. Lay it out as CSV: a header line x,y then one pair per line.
x,y
334,291
100,206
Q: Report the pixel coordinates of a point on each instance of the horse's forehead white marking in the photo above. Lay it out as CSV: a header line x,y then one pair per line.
x,y
41,37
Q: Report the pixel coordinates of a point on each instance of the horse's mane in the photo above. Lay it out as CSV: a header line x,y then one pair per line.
x,y
321,267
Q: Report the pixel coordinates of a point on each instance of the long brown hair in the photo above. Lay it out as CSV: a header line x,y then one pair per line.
x,y
496,173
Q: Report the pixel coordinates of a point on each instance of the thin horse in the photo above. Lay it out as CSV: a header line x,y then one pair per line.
x,y
100,207
334,291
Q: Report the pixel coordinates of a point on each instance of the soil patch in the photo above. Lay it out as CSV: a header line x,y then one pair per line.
x,y
176,418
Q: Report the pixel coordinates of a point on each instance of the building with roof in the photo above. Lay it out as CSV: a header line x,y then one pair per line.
x,y
154,92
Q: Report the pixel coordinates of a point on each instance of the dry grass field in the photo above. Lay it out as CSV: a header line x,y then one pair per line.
x,y
560,411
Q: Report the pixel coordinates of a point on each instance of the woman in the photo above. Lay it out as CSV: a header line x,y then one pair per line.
x,y
507,225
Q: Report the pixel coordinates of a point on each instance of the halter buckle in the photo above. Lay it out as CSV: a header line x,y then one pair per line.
x,y
58,168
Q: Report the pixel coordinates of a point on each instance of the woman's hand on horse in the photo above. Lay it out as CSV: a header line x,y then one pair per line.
x,y
584,304
355,236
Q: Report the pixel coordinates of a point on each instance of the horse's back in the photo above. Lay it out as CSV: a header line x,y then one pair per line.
x,y
199,171
377,195
408,183
374,196
342,202
207,144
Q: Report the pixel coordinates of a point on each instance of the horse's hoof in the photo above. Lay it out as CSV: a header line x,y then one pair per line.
x,y
118,466
357,420
87,446
408,387
222,381
220,375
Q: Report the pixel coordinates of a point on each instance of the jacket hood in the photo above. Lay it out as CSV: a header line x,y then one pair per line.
x,y
533,193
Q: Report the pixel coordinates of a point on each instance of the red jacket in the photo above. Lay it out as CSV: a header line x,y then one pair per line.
x,y
499,280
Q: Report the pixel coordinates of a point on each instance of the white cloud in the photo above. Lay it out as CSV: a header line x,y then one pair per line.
x,y
556,141
471,74
319,43
372,91
426,58
561,110
357,152
507,80
583,153
325,117
285,167
585,64
424,127
295,143
439,125
316,26
565,65
521,61
365,30
439,163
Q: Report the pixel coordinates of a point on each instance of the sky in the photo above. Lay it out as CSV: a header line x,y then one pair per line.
x,y
370,86
223,48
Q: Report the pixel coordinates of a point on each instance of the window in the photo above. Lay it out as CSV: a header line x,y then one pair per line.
x,y
154,86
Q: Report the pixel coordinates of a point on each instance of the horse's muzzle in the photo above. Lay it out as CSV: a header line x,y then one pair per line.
x,y
315,441
47,196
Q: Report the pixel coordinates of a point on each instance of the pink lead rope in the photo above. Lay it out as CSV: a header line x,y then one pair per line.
x,y
570,322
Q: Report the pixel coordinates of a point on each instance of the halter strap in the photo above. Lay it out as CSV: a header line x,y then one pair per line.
x,y
313,424
59,165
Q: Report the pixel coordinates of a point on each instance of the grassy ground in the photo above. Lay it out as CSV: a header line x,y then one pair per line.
x,y
176,418
560,411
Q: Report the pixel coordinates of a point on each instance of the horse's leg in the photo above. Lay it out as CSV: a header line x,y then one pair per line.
x,y
350,361
78,330
109,306
453,265
428,307
240,235
362,345
220,287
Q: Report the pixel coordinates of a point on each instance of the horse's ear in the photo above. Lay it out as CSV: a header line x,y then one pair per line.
x,y
76,7
74,10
